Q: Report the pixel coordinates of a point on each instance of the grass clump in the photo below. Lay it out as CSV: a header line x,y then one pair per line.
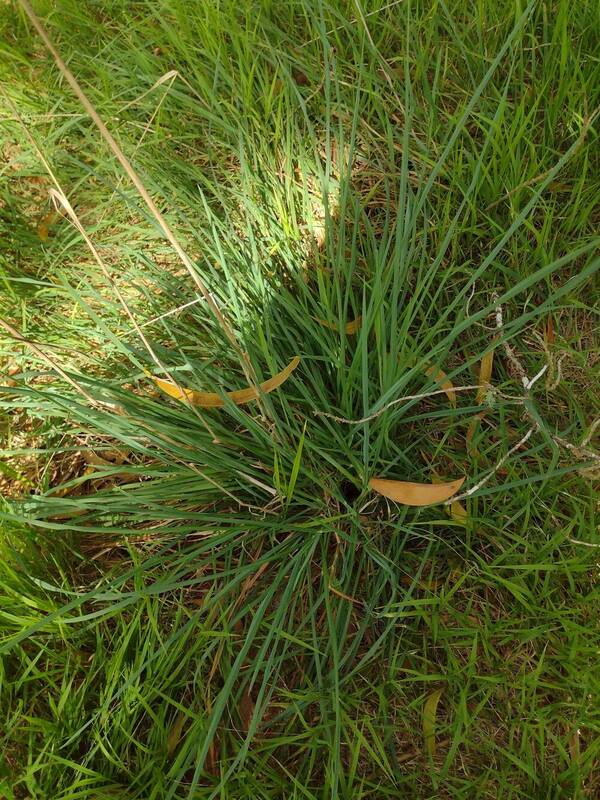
x,y
202,603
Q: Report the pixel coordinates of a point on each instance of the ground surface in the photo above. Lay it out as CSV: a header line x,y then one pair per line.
x,y
207,603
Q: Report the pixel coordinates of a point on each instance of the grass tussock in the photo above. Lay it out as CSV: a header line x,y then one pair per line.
x,y
213,602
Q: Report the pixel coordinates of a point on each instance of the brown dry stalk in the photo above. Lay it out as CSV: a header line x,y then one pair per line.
x,y
59,197
143,192
18,336
168,76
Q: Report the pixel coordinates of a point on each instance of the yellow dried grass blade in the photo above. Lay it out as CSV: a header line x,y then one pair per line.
x,y
429,721
239,396
549,330
440,377
350,328
485,373
45,224
458,513
415,494
456,510
175,733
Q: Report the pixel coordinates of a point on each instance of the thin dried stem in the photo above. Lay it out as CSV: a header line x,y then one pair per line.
x,y
168,76
585,544
580,451
588,120
393,403
353,21
59,197
143,192
492,472
165,315
18,336
592,429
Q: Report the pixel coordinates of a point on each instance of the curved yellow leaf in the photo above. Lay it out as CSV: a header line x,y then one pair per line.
x,y
429,720
349,328
415,494
440,377
239,396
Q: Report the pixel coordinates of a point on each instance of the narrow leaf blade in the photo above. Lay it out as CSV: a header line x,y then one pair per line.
x,y
456,510
350,327
429,721
440,377
485,373
295,467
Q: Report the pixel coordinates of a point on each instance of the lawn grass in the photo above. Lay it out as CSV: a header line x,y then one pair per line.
x,y
213,603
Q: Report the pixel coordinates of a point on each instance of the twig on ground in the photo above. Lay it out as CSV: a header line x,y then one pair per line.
x,y
592,429
580,451
557,378
469,298
404,399
510,353
535,379
585,544
492,472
